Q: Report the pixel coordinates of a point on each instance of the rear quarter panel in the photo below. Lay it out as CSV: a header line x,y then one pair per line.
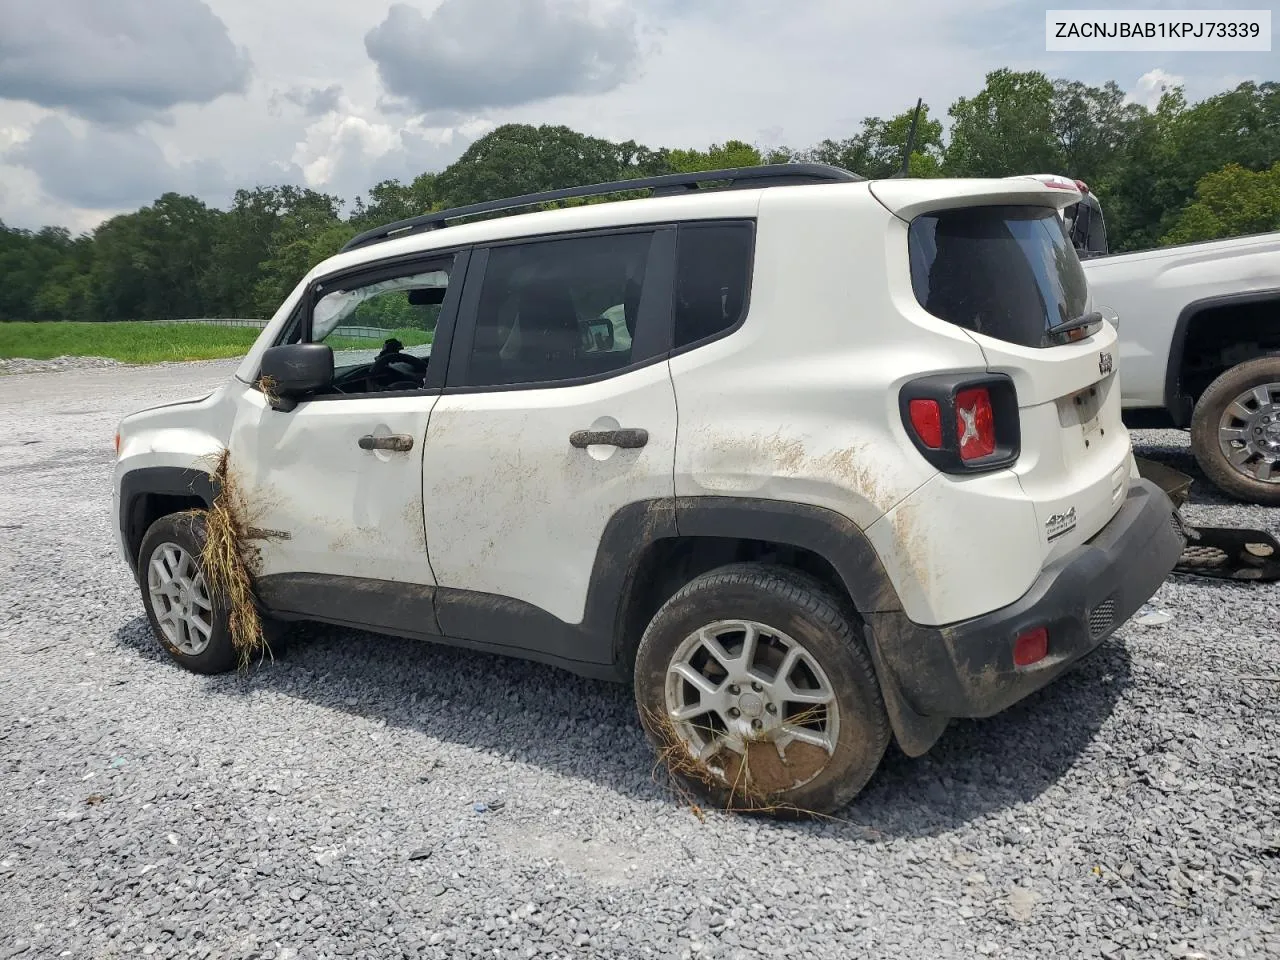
x,y
801,403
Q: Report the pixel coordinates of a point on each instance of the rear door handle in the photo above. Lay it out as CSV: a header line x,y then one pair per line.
x,y
398,442
627,438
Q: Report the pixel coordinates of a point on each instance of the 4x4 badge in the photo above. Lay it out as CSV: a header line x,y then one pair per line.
x,y
1059,524
1105,363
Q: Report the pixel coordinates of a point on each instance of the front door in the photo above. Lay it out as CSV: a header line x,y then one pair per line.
x,y
331,501
555,418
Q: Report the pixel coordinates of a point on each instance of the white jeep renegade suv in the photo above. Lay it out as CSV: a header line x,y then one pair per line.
x,y
811,460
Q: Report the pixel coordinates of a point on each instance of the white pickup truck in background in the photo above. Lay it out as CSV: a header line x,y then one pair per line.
x,y
1199,331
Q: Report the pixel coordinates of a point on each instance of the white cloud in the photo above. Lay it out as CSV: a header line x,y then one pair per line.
x,y
103,168
316,107
316,102
1151,86
348,150
121,61
476,54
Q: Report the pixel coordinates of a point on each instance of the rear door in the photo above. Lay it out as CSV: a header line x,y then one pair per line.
x,y
550,424
1003,268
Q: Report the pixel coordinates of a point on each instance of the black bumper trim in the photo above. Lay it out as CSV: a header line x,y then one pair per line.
x,y
966,669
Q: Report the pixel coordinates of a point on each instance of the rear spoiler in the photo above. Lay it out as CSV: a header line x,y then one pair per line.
x,y
910,198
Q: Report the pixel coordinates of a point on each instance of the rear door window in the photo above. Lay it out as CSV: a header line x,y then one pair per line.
x,y
1008,272
558,310
713,273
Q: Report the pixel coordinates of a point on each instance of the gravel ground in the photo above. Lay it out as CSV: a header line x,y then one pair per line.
x,y
325,804
19,365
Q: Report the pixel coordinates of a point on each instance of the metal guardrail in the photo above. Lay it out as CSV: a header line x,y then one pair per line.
x,y
370,333
217,322
359,333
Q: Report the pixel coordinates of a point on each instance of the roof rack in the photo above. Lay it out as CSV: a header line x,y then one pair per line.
x,y
767,175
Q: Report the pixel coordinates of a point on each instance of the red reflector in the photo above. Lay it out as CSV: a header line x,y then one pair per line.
x,y
975,423
1032,646
926,418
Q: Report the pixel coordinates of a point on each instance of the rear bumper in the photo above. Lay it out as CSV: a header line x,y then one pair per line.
x,y
966,669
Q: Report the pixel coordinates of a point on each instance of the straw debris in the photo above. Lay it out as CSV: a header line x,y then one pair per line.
x,y
230,563
270,388
748,783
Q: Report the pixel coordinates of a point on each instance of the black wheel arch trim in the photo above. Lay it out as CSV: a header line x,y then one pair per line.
x,y
829,534
844,545
138,484
1179,406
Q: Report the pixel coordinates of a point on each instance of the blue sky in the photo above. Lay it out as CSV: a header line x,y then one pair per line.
x,y
203,96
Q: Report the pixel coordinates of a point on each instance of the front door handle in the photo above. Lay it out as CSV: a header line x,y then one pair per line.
x,y
628,439
397,442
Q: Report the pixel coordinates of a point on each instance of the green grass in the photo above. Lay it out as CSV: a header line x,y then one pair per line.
x,y
410,338
153,342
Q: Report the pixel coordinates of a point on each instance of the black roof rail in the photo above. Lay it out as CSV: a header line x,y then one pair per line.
x,y
766,175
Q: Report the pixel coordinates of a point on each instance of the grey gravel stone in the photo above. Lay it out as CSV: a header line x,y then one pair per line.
x,y
22,365
1150,760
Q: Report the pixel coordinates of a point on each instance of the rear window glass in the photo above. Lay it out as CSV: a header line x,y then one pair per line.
x,y
1006,272
713,267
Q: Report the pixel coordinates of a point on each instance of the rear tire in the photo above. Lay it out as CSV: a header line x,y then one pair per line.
x,y
1238,417
762,749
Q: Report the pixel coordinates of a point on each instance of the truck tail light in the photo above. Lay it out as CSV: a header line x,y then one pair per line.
x,y
963,423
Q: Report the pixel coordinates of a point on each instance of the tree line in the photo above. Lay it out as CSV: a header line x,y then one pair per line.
x,y
1177,173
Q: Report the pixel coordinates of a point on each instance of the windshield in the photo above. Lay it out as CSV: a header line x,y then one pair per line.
x,y
1007,272
340,305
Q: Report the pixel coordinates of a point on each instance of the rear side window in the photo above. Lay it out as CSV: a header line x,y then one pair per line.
x,y
555,310
713,270
1007,272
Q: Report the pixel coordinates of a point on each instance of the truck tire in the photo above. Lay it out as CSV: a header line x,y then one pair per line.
x,y
1235,431
756,689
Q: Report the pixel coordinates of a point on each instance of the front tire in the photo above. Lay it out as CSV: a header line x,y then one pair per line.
x,y
1235,431
189,621
755,686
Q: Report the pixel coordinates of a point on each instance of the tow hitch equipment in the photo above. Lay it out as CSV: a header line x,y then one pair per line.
x,y
1219,553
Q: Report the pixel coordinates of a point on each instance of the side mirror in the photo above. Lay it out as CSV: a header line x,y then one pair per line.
x,y
294,370
427,296
1080,226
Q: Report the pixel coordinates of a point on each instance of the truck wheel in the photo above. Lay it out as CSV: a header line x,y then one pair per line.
x,y
190,623
757,691
1235,431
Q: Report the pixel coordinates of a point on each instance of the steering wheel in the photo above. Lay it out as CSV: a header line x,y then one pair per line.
x,y
388,368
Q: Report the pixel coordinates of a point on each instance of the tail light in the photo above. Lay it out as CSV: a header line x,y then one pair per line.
x,y
1030,647
926,420
963,423
975,423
